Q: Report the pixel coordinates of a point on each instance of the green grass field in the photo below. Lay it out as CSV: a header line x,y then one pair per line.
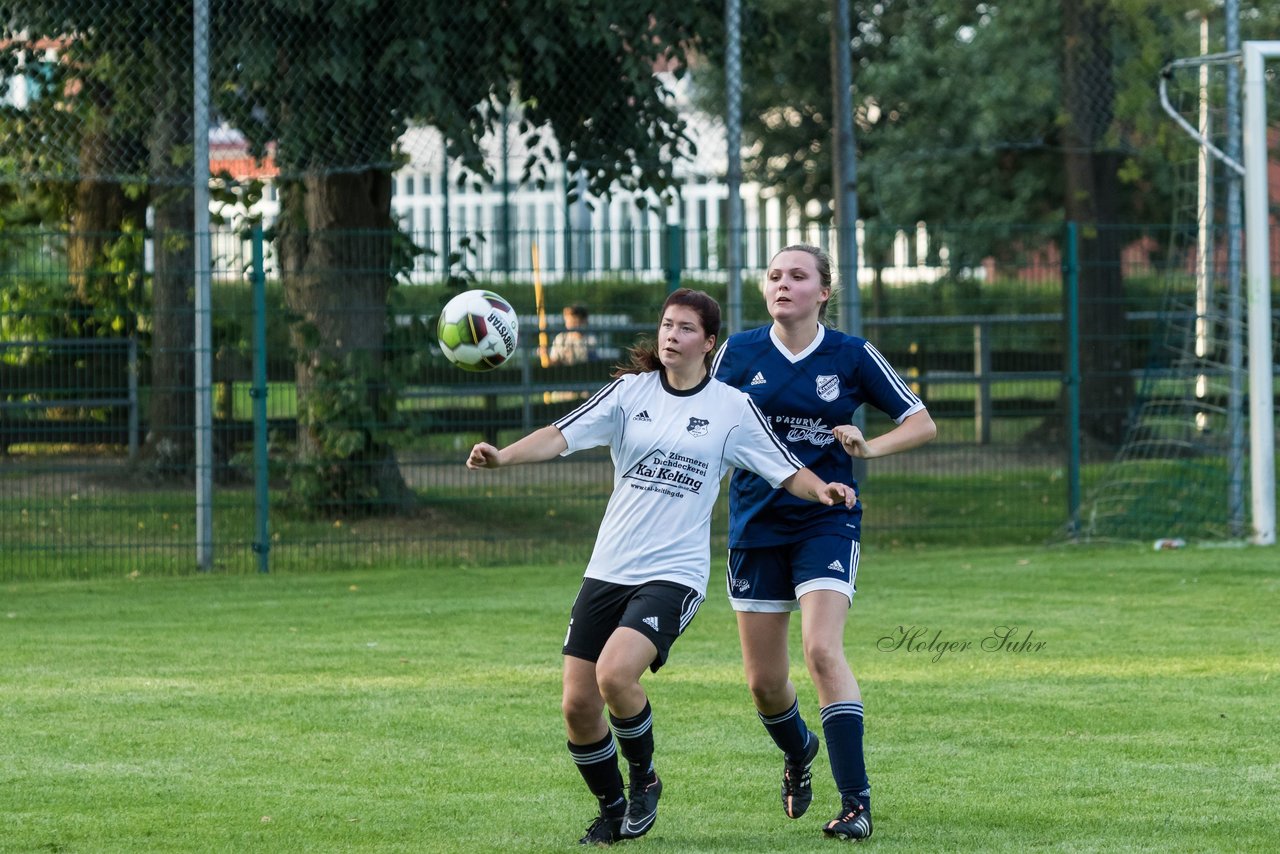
x,y
409,710
65,523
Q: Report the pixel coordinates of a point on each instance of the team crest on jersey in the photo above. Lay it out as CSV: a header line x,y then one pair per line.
x,y
698,426
828,387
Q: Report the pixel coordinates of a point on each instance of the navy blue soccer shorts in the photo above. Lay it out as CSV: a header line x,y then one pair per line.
x,y
773,578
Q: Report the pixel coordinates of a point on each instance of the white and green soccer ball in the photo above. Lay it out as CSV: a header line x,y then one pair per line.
x,y
478,330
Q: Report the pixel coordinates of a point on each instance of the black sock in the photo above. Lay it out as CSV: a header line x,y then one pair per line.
x,y
635,739
598,765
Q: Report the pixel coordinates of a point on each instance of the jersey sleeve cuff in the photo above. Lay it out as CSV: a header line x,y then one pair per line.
x,y
919,407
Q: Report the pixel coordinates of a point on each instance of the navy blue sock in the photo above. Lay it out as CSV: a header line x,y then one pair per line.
x,y
788,730
598,765
635,739
842,725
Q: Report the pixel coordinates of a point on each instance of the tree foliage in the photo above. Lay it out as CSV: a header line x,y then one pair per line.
x,y
106,134
961,113
991,114
329,87
332,87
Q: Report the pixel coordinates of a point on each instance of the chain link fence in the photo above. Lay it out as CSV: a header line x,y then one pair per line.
x,y
394,152
987,351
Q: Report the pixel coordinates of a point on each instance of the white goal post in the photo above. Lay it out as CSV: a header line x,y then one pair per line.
x,y
1262,433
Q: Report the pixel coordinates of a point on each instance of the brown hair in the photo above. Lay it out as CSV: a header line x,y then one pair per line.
x,y
643,356
822,261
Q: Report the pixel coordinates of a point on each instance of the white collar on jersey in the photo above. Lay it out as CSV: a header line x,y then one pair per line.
x,y
795,357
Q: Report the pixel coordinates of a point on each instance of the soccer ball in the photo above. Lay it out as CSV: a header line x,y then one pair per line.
x,y
478,330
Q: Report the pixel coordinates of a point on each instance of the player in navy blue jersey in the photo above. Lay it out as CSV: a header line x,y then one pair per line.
x,y
785,555
674,433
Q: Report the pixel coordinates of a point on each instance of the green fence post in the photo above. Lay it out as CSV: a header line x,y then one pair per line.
x,y
675,255
258,393
1071,286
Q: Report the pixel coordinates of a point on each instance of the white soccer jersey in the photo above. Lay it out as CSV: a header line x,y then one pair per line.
x,y
670,451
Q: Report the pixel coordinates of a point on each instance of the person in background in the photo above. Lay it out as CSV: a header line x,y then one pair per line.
x,y
785,555
573,345
674,433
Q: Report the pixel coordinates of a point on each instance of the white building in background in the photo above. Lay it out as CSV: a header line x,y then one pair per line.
x,y
589,237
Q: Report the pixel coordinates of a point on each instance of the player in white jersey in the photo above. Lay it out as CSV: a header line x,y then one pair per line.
x,y
674,433
784,555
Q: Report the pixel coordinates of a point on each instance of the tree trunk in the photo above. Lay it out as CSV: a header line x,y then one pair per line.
x,y
335,246
170,443
100,202
1106,390
97,218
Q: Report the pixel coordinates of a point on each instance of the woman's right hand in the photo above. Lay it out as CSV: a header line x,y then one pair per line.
x,y
853,441
483,456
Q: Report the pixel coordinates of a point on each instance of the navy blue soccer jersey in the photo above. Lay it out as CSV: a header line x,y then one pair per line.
x,y
804,396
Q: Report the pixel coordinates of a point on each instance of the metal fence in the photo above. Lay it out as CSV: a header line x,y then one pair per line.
x,y
396,151
331,456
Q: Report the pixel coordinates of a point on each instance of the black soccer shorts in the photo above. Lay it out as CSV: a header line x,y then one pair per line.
x,y
660,610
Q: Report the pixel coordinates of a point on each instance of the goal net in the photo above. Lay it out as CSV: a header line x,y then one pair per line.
x,y
1198,460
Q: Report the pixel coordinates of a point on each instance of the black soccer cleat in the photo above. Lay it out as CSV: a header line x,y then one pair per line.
x,y
642,810
853,822
605,830
797,791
